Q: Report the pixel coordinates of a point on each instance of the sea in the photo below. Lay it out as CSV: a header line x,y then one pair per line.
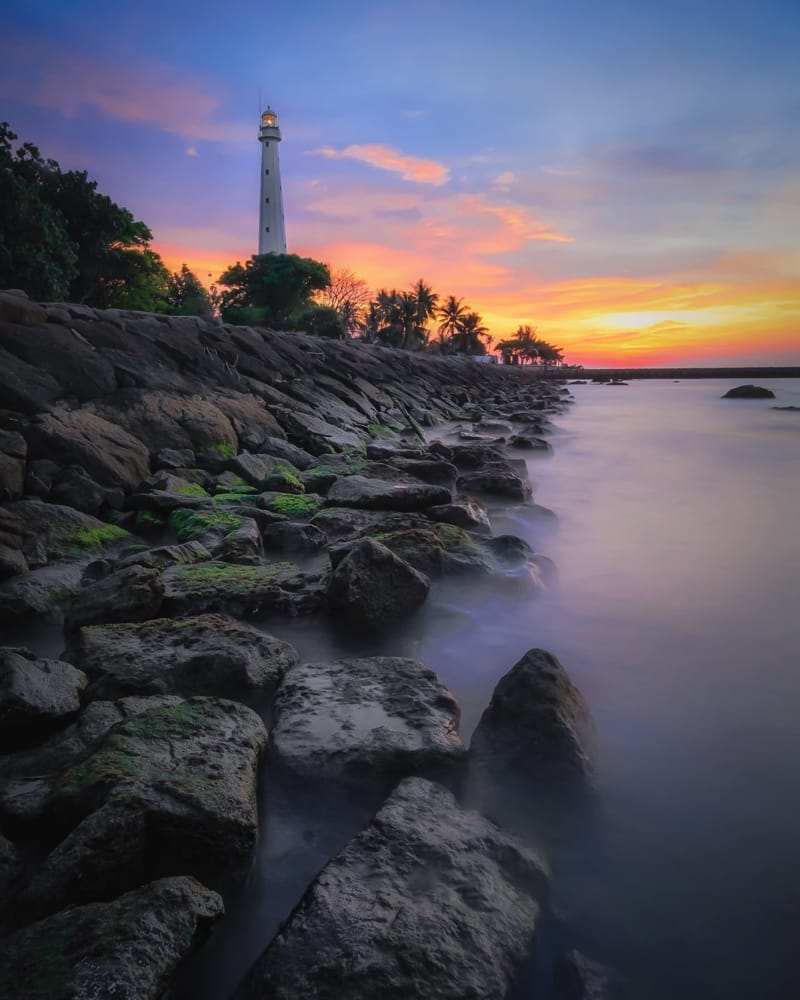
x,y
674,606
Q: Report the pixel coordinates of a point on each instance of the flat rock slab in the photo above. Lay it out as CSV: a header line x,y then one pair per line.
x,y
207,654
36,696
128,949
369,715
537,721
378,494
429,901
243,590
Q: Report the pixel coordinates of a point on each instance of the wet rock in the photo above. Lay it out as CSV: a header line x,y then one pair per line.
x,y
373,587
252,421
428,470
243,590
438,549
12,557
278,448
341,524
429,901
537,722
749,392
528,443
173,458
13,451
127,595
166,555
110,455
496,480
10,871
267,473
468,514
376,494
65,533
16,307
314,434
128,948
170,790
41,593
381,714
578,978
208,654
74,488
288,536
242,546
36,696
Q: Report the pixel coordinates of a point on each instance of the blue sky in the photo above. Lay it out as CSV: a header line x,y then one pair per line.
x,y
598,170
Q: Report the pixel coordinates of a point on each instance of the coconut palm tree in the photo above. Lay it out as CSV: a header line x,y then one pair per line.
x,y
451,313
426,300
469,337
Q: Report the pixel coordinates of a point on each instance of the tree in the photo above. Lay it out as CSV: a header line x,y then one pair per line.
x,y
322,321
270,289
61,238
450,314
470,334
186,296
349,295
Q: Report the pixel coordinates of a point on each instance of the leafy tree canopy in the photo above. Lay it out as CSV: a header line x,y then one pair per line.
x,y
61,238
270,289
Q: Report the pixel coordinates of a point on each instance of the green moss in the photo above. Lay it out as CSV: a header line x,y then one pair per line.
x,y
235,485
192,490
81,541
60,596
150,520
165,723
294,505
286,473
232,578
189,524
220,447
376,430
230,498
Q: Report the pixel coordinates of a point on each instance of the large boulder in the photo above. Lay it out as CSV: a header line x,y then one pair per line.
x,y
13,451
208,654
110,455
380,714
467,513
128,595
171,790
243,590
429,901
378,494
496,479
537,722
36,696
129,948
373,587
62,533
41,593
25,388
749,392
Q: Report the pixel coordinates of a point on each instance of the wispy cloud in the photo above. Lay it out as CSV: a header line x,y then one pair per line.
x,y
192,151
410,168
45,74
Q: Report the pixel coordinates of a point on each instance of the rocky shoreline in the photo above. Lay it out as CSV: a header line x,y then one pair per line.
x,y
163,480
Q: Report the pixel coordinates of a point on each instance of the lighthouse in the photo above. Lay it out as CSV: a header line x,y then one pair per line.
x,y
271,231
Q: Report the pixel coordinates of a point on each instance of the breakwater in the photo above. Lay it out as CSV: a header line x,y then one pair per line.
x,y
170,487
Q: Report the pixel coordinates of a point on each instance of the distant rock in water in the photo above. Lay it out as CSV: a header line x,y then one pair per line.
x,y
537,721
749,392
795,409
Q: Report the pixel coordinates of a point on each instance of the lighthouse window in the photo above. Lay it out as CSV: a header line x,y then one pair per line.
x,y
266,200
266,229
266,171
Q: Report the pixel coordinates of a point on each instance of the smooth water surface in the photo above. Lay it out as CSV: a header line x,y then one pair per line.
x,y
677,613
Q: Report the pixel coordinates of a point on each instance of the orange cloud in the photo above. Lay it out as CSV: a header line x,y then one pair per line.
x,y
410,168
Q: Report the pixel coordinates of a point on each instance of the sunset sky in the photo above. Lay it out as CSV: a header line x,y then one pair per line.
x,y
625,176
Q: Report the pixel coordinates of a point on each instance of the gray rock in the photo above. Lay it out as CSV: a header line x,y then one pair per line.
x,y
277,448
41,593
749,392
73,488
342,524
314,434
267,473
373,587
13,451
65,533
16,307
128,949
537,722
376,494
438,549
36,696
468,514
381,714
170,790
110,455
289,536
496,480
208,654
528,443
127,595
10,871
166,555
243,590
243,545
429,901
173,458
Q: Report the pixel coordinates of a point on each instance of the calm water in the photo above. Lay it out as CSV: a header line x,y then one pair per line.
x,y
677,612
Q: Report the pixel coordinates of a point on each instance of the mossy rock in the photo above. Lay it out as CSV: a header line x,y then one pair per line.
x,y
191,490
150,520
85,541
221,448
294,505
194,524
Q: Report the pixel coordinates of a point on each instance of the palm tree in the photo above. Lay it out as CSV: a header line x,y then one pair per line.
x,y
407,316
451,314
426,307
469,337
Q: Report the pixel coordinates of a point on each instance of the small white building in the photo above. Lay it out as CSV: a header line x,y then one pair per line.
x,y
271,229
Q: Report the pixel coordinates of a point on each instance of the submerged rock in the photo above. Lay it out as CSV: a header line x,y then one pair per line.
x,y
373,715
429,901
36,697
537,721
129,948
749,392
207,654
372,586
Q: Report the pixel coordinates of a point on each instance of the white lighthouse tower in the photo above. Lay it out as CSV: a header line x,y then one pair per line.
x,y
271,230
